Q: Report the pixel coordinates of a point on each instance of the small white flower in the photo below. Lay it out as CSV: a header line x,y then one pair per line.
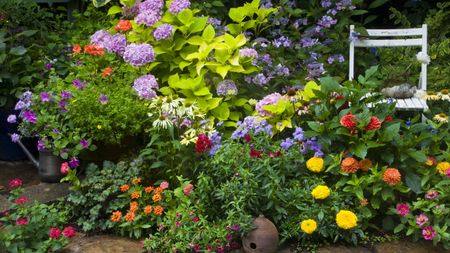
x,y
422,57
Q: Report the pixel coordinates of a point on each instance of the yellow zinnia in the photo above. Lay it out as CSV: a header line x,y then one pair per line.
x,y
315,164
308,226
442,167
321,192
346,219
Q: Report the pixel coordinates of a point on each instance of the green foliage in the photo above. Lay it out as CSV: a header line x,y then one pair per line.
x,y
34,235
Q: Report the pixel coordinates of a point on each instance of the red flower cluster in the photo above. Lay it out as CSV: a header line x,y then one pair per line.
x,y
374,124
255,153
123,25
107,72
15,183
94,50
203,144
349,121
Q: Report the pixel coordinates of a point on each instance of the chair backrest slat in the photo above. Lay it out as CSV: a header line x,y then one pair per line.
x,y
389,43
395,32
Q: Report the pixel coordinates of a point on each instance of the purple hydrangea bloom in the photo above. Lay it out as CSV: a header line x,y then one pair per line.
x,y
326,21
298,134
12,119
251,123
74,162
309,42
248,52
103,99
145,85
214,22
178,5
343,4
45,97
84,143
40,145
266,58
215,139
299,22
325,3
101,38
148,18
315,70
20,105
163,32
267,100
151,5
260,79
116,44
282,70
29,116
286,143
266,4
65,94
282,42
227,88
139,54
15,137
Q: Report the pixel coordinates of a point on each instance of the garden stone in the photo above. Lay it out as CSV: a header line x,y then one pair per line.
x,y
407,247
102,244
343,249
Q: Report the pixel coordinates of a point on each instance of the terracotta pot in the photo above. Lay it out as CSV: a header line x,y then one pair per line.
x,y
263,239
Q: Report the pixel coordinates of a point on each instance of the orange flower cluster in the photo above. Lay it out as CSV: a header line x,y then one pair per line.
x,y
94,50
137,180
135,195
123,25
392,176
107,72
148,209
116,216
76,49
124,188
351,165
158,210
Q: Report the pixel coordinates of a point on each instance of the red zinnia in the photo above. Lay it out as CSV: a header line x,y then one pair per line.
x,y
55,233
349,121
22,221
123,25
21,200
15,183
69,231
76,49
203,144
374,124
388,118
255,153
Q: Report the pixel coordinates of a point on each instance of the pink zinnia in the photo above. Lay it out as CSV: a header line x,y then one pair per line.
x,y
402,209
55,233
421,219
428,233
431,194
22,221
69,231
21,200
164,185
188,189
447,172
64,168
15,183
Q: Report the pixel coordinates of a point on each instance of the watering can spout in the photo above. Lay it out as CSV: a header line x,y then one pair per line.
x,y
28,153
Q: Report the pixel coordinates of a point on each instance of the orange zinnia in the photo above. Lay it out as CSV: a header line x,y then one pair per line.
x,y
123,25
116,216
148,209
156,197
76,49
148,189
365,164
135,195
349,165
94,50
129,216
107,72
137,180
158,210
124,188
392,176
158,190
133,206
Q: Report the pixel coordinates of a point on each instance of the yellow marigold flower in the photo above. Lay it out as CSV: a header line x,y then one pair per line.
x,y
148,209
442,167
158,210
135,195
321,192
130,216
315,164
124,188
133,206
148,189
116,216
137,180
156,197
346,219
308,226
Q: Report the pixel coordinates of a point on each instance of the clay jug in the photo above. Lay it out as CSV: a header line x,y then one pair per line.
x,y
263,239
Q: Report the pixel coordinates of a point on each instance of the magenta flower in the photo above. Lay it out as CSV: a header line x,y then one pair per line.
x,y
29,116
431,194
164,185
103,99
447,172
45,97
64,168
15,183
428,233
188,189
55,233
74,162
402,209
69,232
21,200
22,221
84,143
421,219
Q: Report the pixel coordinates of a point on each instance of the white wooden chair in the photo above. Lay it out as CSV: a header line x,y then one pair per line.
x,y
420,40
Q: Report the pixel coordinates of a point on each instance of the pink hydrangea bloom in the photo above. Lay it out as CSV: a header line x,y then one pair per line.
x,y
403,209
428,233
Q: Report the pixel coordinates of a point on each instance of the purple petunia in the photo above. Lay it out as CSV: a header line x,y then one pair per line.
x,y
103,99
148,18
84,143
40,145
139,54
65,94
145,85
12,119
178,5
227,88
29,116
15,137
78,84
20,105
163,32
74,162
45,97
